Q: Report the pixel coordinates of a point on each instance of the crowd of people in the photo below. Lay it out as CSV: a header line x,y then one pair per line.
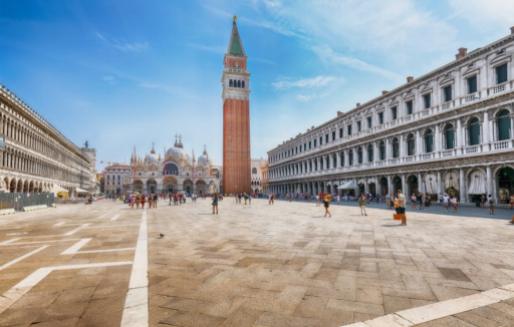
x,y
140,200
396,201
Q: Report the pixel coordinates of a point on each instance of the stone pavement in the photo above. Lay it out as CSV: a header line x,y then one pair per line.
x,y
286,265
258,265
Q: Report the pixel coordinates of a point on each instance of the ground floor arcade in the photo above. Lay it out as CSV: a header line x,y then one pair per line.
x,y
468,184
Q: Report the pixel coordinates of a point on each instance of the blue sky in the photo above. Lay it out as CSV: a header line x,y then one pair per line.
x,y
131,72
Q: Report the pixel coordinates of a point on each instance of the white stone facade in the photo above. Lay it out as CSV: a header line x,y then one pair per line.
x,y
117,179
448,131
257,175
36,157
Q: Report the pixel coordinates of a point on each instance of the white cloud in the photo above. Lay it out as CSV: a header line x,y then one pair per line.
x,y
327,54
495,12
123,46
313,82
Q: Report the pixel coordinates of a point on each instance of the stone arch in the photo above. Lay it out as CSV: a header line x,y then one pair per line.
x,y
384,187
25,186
473,130
31,186
411,144
169,184
137,186
449,136
502,122
151,186
412,185
187,186
476,184
504,177
201,187
12,185
19,186
428,140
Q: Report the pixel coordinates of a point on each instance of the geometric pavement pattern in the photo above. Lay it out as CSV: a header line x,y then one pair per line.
x,y
256,265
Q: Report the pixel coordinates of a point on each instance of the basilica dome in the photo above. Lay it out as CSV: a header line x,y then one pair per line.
x,y
151,158
203,160
174,154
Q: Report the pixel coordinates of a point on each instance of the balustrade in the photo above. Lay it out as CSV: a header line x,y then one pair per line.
x,y
501,145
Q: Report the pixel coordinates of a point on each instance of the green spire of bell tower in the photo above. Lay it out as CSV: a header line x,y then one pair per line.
x,y
235,47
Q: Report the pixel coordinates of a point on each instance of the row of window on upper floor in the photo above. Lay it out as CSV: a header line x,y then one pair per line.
x,y
473,137
501,73
236,83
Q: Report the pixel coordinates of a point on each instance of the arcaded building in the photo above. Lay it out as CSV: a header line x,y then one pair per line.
x,y
236,117
35,156
448,131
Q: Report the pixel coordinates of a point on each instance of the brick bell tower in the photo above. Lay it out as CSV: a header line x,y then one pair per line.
x,y
236,117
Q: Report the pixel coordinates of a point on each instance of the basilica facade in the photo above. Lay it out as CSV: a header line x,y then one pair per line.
x,y
448,131
173,171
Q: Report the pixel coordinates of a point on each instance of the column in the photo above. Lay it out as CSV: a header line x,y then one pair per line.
x,y
462,186
485,137
365,154
366,186
376,152
389,185
419,143
488,185
420,183
338,159
458,134
437,140
439,184
402,146
404,185
388,149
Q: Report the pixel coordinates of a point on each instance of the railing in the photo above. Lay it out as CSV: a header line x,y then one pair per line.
x,y
498,88
446,105
448,153
18,201
393,161
501,145
408,159
472,149
426,156
472,97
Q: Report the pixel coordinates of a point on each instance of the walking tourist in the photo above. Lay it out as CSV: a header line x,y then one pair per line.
x,y
491,205
138,200
215,199
326,203
400,205
271,199
143,200
362,204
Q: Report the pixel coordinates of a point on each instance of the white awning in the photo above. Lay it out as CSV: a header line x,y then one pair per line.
x,y
58,188
81,190
476,183
430,184
350,185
